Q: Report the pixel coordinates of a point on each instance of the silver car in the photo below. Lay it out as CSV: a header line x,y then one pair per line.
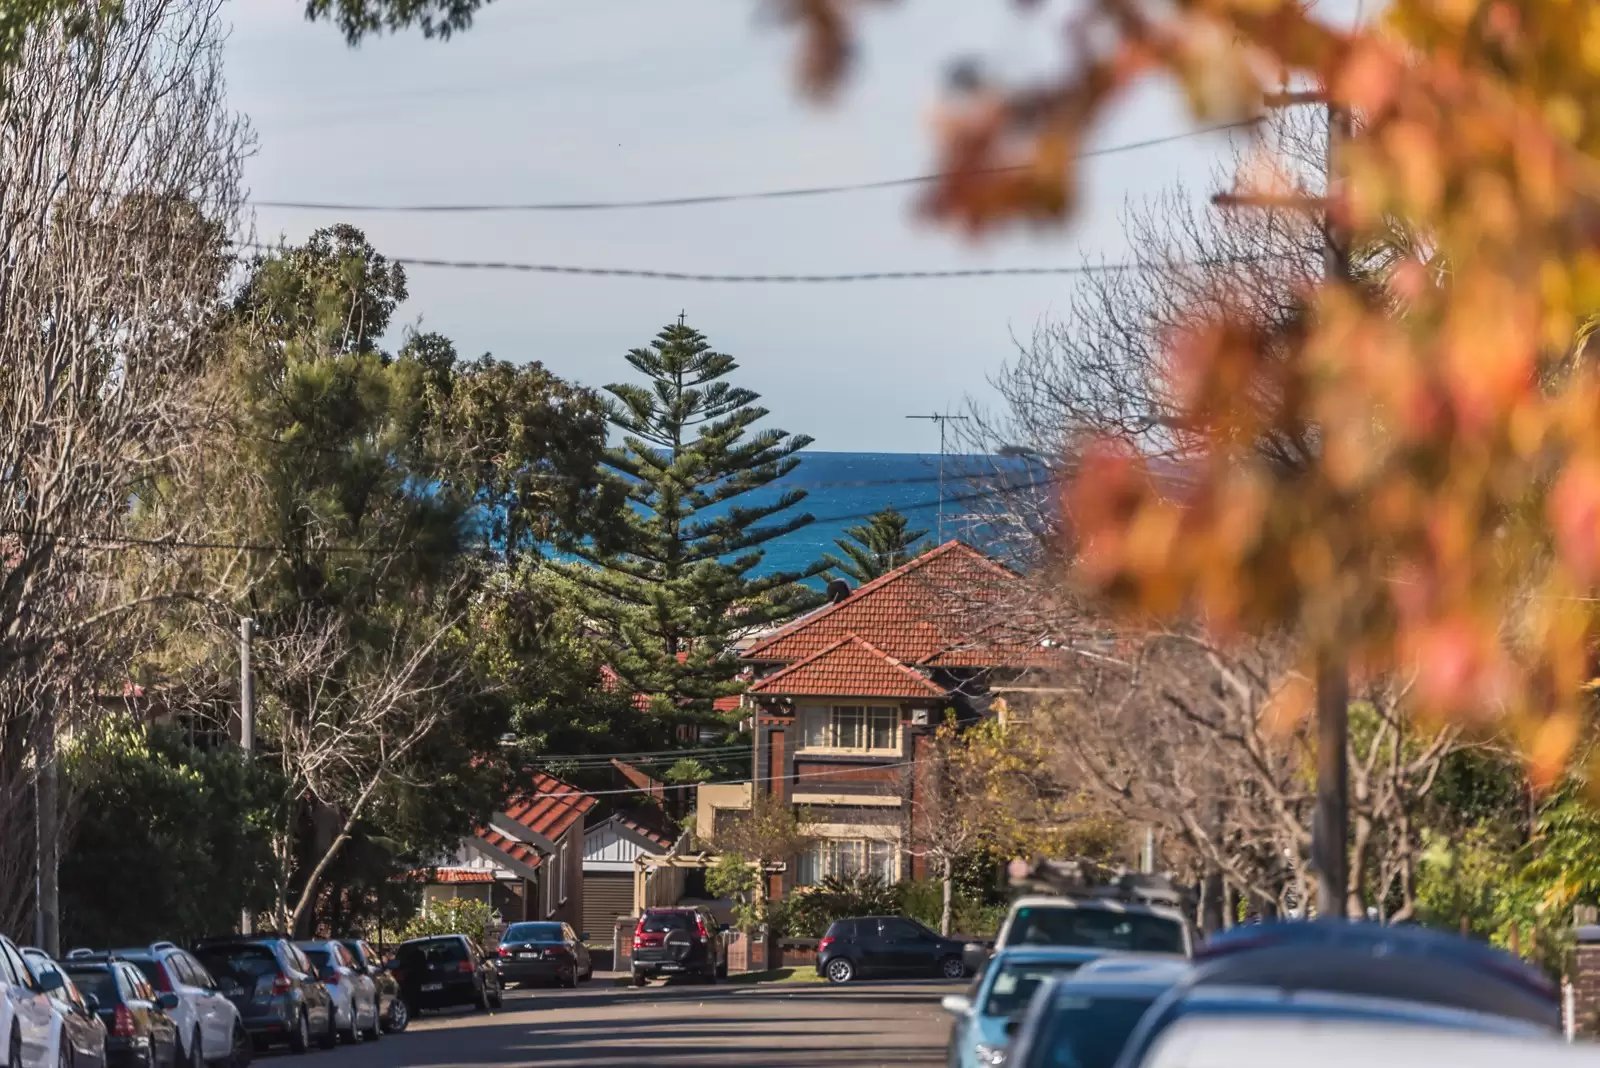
x,y
355,995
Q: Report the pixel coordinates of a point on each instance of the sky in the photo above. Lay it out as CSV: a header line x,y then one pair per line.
x,y
542,101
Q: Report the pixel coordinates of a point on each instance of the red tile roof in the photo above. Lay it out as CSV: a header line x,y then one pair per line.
x,y
511,847
453,876
915,611
652,823
551,807
727,704
850,667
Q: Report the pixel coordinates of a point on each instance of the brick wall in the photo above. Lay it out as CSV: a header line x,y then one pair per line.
x,y
1586,983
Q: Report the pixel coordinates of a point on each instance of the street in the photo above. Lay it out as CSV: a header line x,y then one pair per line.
x,y
788,1025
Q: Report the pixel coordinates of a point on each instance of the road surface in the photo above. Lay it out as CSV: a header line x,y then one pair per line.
x,y
781,1025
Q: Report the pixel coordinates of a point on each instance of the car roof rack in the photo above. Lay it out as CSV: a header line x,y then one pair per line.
x,y
157,947
1084,879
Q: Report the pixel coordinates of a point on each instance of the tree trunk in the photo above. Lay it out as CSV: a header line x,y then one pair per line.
x,y
947,878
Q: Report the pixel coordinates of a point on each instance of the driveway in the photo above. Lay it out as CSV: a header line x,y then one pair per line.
x,y
784,1025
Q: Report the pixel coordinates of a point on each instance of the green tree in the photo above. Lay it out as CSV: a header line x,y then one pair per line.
x,y
877,546
172,841
676,590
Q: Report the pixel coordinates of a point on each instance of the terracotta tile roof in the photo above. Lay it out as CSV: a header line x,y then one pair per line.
x,y
850,667
453,876
727,704
915,611
550,807
650,822
511,847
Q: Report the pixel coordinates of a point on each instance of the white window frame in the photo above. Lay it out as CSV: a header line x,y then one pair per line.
x,y
820,729
562,874
830,856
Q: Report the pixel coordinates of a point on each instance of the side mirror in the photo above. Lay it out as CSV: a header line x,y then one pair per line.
x,y
51,981
956,1004
92,1003
167,1001
1013,1025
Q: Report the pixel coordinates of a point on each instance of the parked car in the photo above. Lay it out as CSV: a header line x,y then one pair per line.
x,y
209,1028
1222,1014
445,970
682,940
543,952
25,1015
1090,922
77,1037
978,1038
392,1010
1321,1042
139,1031
886,945
355,996
1410,963
1085,1019
275,989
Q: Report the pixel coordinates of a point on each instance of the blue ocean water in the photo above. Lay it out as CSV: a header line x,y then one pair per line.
x,y
844,488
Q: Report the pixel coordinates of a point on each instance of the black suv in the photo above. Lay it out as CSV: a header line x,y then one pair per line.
x,y
274,987
686,940
886,945
445,970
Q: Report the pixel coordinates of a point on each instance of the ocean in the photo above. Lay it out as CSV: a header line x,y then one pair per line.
x,y
844,488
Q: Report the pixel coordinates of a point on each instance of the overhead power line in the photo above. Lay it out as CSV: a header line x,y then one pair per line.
x,y
709,198
793,780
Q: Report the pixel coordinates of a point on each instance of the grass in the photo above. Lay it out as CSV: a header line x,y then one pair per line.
x,y
803,974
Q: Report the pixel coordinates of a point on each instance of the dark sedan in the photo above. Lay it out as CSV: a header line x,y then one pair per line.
x,y
886,945
445,970
139,1033
546,952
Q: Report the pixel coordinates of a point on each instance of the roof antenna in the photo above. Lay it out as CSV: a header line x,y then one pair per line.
x,y
942,420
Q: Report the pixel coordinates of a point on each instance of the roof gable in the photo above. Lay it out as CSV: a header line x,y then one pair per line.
x,y
920,608
550,808
849,667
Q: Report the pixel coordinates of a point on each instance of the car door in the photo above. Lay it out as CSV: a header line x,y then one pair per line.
x,y
216,1023
12,993
34,1017
364,996
905,945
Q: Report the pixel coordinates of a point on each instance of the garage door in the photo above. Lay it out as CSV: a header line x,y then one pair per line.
x,y
606,895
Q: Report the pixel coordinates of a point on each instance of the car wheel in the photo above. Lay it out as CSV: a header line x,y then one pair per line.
x,y
399,1016
952,968
352,1034
197,1055
300,1038
482,1004
639,979
64,1054
498,998
243,1049
840,970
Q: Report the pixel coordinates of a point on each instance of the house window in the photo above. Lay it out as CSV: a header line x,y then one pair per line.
x,y
858,728
562,867
844,857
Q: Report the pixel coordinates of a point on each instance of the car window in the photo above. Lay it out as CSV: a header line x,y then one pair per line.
x,y
1097,929
1015,983
535,932
439,951
17,971
202,978
301,961
138,985
319,959
101,982
1089,1032
903,929
659,922
242,964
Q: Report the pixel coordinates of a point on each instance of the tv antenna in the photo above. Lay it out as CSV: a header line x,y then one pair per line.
x,y
943,421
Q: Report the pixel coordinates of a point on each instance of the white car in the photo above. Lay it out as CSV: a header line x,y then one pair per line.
x,y
355,995
26,1018
77,1035
1309,1042
209,1029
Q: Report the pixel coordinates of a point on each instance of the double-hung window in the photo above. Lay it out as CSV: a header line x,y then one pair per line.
x,y
845,857
854,728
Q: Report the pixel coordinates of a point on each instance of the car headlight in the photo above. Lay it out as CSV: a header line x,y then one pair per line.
x,y
991,1056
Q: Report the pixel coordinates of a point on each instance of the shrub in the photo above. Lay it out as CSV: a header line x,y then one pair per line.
x,y
811,911
460,915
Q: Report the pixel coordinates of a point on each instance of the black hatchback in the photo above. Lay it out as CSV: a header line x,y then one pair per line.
x,y
886,945
445,970
139,1033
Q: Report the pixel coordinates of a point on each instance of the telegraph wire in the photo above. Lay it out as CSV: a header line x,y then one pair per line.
x,y
710,198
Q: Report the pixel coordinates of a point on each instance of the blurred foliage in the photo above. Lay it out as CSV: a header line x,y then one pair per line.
x,y
169,841
454,915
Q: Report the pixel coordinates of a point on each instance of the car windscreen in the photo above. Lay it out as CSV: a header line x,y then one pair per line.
x,y
1096,929
243,964
1089,1031
442,951
97,981
657,922
533,932
1015,983
152,971
319,959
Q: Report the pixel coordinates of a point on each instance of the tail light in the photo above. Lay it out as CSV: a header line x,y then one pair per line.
x,y
281,984
332,979
399,975
122,1022
824,944
502,952
642,938
558,951
465,966
700,924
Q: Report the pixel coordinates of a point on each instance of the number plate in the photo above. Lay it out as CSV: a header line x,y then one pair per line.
x,y
671,967
526,956
428,988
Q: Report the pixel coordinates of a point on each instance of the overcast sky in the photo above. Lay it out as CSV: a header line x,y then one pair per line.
x,y
543,100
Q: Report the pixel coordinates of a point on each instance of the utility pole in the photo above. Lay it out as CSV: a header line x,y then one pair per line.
x,y
1330,832
942,420
46,836
247,718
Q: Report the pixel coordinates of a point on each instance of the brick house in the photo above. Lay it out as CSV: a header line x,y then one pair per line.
x,y
844,700
528,863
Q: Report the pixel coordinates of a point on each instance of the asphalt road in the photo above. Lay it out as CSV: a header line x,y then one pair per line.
x,y
782,1025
